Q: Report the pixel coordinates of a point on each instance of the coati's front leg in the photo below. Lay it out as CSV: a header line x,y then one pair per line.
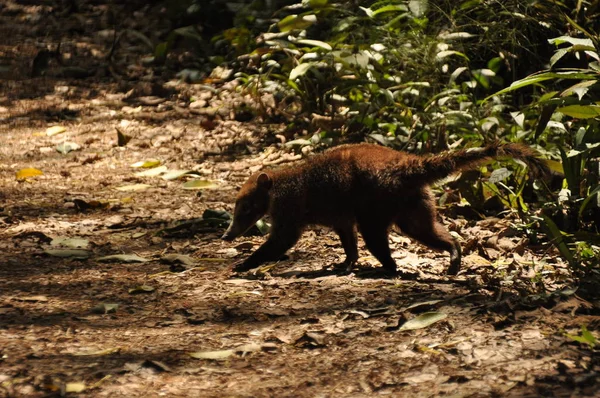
x,y
347,234
280,240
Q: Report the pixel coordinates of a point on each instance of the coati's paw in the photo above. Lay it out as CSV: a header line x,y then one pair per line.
x,y
241,266
344,268
453,269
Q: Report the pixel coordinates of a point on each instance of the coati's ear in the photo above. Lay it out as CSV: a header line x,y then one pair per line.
x,y
264,181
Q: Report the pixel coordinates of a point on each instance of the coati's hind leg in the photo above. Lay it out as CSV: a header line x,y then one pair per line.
x,y
419,222
375,235
347,234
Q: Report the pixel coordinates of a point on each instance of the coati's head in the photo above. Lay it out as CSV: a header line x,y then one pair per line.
x,y
251,204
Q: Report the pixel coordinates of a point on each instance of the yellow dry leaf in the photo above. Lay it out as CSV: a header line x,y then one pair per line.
x,y
50,131
24,174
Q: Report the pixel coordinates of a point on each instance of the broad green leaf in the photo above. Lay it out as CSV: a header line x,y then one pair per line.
x,y
146,164
585,338
316,3
133,188
558,55
199,184
125,258
23,174
423,320
557,239
156,171
389,8
588,199
447,53
540,77
296,22
555,166
263,227
300,70
580,89
499,175
315,43
580,111
572,40
457,72
367,11
68,253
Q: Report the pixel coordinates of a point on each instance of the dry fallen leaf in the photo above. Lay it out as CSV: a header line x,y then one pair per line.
x,y
422,321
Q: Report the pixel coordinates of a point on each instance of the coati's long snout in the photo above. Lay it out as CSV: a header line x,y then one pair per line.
x,y
251,205
361,187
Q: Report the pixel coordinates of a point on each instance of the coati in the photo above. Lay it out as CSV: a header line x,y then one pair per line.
x,y
359,185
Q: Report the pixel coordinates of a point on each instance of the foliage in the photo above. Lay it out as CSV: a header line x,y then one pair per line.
x,y
423,76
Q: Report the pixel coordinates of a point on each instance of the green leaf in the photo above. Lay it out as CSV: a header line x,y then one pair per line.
x,y
587,200
317,3
558,239
296,22
300,70
580,89
315,43
499,175
585,338
540,77
580,111
571,40
422,321
558,55
389,8
447,53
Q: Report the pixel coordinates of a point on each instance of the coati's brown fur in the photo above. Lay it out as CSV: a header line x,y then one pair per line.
x,y
366,186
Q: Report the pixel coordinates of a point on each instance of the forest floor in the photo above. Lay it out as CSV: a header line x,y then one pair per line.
x,y
165,316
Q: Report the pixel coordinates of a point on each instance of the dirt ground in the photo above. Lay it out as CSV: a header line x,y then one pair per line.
x,y
166,317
